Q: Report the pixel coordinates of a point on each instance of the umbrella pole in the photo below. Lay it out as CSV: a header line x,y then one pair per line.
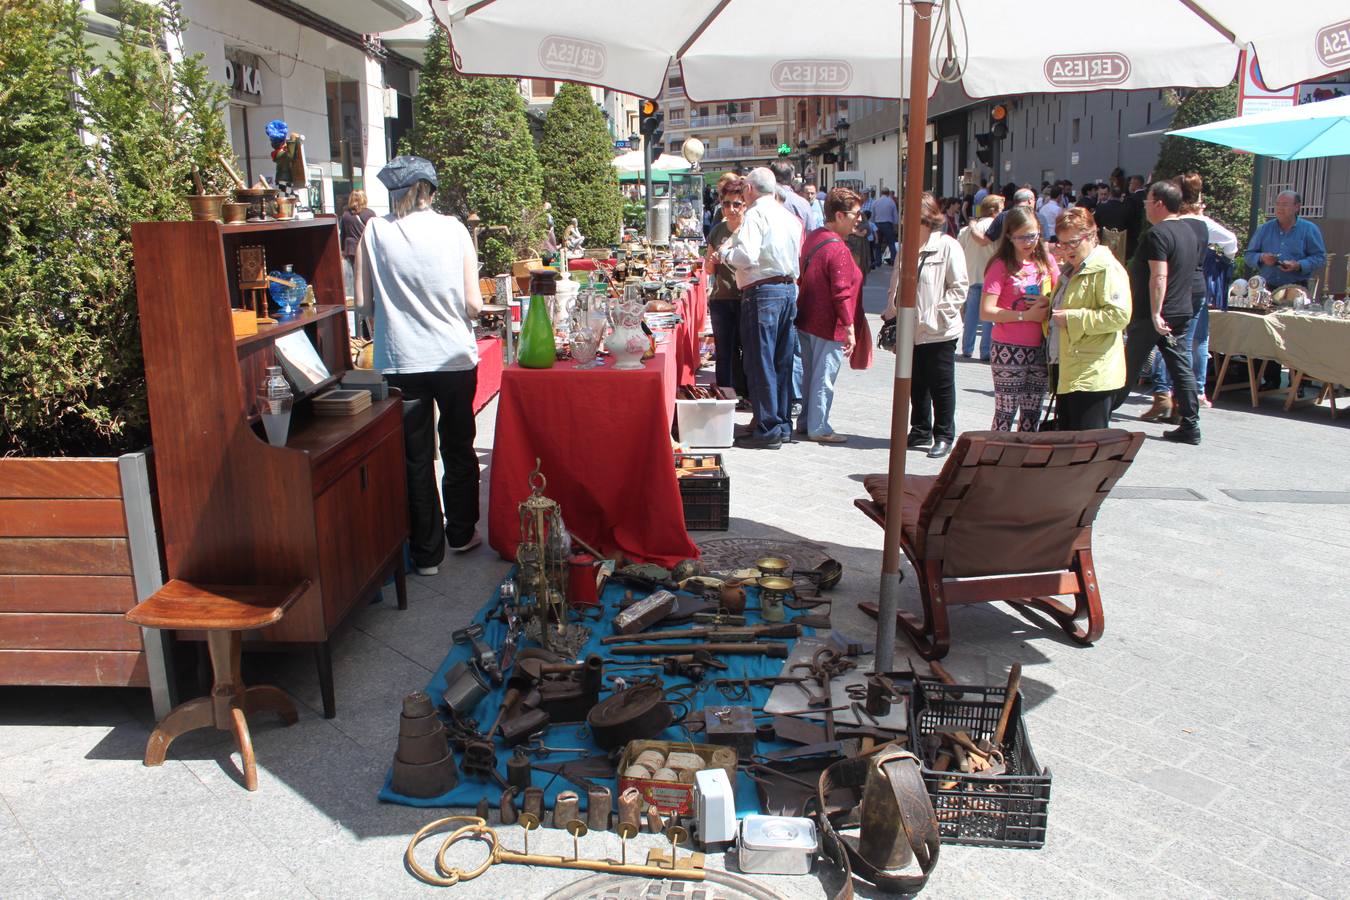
x,y
889,599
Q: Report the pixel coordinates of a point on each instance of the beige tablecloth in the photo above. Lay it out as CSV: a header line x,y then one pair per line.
x,y
1317,346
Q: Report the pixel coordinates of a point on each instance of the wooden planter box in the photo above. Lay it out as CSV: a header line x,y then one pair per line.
x,y
78,548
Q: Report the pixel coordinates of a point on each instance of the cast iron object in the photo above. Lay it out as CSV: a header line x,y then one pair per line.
x,y
565,808
519,729
826,575
480,761
424,766
534,803
518,771
580,771
567,690
731,726
630,810
465,688
598,804
725,633
484,655
506,807
766,733
636,713
776,650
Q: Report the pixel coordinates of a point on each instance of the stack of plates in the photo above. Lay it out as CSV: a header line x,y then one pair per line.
x,y
341,403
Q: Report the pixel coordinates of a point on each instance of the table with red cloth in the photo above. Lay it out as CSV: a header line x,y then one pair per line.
x,y
489,372
693,309
603,438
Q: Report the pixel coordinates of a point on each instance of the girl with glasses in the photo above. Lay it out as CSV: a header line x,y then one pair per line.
x,y
1017,288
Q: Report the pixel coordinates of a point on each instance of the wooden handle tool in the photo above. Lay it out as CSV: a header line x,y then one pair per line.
x,y
1014,685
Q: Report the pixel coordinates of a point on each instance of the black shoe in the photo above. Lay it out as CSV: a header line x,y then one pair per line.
x,y
941,448
918,441
750,442
1183,435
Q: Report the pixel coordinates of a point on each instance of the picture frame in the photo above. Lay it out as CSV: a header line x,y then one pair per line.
x,y
252,266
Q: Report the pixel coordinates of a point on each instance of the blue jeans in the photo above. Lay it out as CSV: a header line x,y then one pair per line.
x,y
726,326
1197,338
973,325
767,339
821,359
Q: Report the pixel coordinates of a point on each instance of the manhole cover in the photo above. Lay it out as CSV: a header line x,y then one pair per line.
x,y
725,554
716,886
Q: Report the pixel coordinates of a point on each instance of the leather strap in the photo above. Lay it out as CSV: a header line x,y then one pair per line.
x,y
917,823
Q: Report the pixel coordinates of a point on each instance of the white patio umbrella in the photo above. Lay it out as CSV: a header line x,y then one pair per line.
x,y
632,162
1299,132
739,49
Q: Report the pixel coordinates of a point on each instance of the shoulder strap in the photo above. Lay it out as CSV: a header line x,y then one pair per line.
x,y
806,264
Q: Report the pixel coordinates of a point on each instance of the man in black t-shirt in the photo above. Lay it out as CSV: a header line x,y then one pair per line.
x,y
1160,282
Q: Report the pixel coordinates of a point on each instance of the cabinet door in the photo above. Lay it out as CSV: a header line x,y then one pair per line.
x,y
360,520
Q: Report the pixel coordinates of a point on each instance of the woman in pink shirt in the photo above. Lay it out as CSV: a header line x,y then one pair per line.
x,y
1018,285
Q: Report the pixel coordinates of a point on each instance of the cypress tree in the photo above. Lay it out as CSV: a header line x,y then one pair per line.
x,y
474,131
576,153
1227,173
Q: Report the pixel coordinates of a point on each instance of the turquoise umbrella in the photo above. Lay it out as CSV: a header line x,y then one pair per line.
x,y
1298,132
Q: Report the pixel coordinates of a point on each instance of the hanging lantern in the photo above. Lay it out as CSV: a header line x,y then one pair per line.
x,y
542,559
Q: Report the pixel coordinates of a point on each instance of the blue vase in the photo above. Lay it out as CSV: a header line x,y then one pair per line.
x,y
287,297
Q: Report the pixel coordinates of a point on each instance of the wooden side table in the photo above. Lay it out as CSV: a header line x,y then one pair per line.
x,y
224,612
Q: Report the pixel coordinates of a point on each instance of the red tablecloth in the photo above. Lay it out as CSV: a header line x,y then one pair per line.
x,y
693,309
603,437
489,372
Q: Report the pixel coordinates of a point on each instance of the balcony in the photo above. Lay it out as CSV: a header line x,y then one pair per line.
x,y
740,118
737,153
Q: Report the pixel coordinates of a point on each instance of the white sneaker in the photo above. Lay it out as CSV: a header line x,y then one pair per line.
x,y
473,542
427,570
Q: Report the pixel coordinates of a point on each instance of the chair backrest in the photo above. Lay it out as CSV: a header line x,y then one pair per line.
x,y
1012,503
1115,241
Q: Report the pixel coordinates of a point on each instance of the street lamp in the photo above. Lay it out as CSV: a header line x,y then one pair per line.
x,y
841,131
806,157
634,141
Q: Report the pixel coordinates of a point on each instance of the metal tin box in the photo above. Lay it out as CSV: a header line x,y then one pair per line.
x,y
776,845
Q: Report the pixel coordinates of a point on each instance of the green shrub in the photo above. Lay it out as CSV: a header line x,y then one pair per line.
x,y
474,131
1227,173
576,153
72,380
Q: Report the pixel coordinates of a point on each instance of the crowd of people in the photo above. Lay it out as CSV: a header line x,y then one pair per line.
x,y
1065,292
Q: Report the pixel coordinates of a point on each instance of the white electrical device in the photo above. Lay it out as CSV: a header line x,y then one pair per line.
x,y
714,807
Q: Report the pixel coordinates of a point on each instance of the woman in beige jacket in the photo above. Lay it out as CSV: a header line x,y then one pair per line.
x,y
943,284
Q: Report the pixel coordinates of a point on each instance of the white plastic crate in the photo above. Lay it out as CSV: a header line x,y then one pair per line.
x,y
706,423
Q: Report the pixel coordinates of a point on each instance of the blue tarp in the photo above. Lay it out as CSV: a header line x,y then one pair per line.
x,y
468,792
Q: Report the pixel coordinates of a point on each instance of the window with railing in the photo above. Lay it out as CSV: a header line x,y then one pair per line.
x,y
1308,177
768,140
676,116
676,82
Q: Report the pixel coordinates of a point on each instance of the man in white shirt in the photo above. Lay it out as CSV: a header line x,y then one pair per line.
x,y
887,218
765,253
817,207
1050,210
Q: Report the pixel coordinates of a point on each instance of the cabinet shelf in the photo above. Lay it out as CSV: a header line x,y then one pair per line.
x,y
286,326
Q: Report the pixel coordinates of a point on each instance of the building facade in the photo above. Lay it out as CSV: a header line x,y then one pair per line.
x,y
734,132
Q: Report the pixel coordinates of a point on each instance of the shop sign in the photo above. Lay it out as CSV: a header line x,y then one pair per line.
x,y
1080,70
243,76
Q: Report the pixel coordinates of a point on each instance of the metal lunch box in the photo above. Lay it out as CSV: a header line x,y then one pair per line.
x,y
776,845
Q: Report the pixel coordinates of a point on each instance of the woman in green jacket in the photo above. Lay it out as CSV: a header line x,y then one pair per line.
x,y
1090,310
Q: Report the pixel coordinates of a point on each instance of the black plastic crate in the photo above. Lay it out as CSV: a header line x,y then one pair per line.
x,y
986,810
706,498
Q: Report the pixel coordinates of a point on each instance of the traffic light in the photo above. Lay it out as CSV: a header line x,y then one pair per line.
x,y
651,124
984,148
999,125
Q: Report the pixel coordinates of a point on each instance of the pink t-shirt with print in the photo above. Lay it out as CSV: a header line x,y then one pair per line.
x,y
1016,292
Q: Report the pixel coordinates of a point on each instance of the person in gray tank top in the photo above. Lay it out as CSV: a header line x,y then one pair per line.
x,y
417,274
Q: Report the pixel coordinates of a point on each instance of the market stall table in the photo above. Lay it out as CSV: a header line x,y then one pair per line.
x,y
1312,346
693,309
489,372
602,437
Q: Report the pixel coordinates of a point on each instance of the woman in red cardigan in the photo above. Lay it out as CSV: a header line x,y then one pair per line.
x,y
826,309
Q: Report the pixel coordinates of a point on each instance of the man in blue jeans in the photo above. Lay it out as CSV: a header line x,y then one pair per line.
x,y
978,253
764,252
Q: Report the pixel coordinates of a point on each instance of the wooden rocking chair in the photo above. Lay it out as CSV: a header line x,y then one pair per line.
x,y
1009,518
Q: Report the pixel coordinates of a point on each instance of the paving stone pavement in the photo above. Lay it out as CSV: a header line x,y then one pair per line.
x,y
1200,749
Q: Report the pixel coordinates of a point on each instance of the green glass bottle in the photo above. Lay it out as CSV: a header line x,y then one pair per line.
x,y
536,350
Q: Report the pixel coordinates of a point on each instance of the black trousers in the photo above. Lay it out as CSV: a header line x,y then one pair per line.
x,y
450,393
1083,410
932,401
1140,338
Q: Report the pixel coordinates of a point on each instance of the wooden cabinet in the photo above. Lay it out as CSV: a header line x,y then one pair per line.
x,y
331,505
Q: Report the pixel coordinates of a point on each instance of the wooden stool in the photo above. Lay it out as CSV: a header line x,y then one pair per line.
x,y
223,611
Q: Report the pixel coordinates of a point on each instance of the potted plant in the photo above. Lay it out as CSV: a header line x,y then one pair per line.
x,y
77,516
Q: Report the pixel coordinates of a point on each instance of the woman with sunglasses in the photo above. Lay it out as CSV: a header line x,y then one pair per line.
x,y
1017,288
1090,311
724,303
